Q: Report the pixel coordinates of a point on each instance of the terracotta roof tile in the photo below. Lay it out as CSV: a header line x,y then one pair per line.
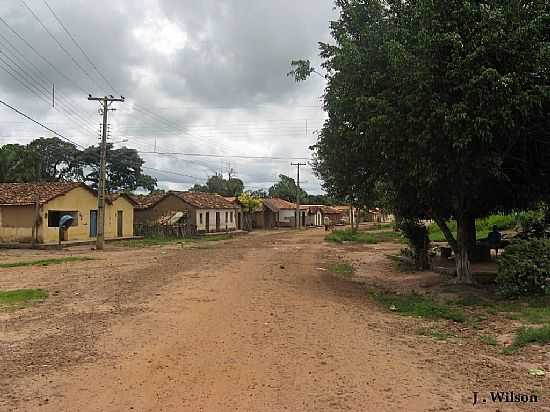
x,y
277,204
147,201
21,194
206,200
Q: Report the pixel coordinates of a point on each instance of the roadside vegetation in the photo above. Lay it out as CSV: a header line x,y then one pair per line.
x,y
15,299
483,227
365,237
45,262
160,241
344,269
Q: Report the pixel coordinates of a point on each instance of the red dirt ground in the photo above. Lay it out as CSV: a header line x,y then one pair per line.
x,y
252,324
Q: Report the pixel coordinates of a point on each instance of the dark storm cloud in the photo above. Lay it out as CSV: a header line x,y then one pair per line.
x,y
198,65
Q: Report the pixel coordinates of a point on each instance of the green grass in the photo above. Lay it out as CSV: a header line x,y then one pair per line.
x,y
527,335
434,333
159,241
214,238
347,235
381,226
536,310
45,262
342,269
483,227
488,340
21,297
419,306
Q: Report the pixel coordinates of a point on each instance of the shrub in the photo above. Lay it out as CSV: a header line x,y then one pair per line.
x,y
524,268
416,234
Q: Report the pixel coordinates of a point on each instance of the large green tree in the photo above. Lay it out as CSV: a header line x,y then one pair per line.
x,y
286,189
218,184
444,104
124,169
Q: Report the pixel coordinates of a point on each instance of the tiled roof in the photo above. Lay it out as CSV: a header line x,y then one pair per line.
x,y
277,204
147,201
20,194
206,200
327,210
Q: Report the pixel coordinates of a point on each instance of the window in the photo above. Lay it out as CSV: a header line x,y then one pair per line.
x,y
200,218
231,217
227,216
55,215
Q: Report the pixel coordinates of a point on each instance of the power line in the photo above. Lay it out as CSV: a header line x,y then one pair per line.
x,y
57,41
41,125
78,46
228,156
173,173
30,80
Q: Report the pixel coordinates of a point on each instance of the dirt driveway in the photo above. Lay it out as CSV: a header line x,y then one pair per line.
x,y
252,324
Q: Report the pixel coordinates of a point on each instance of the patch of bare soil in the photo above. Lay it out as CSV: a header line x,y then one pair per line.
x,y
251,324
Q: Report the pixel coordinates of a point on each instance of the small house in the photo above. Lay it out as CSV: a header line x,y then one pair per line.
x,y
277,212
210,212
161,208
32,211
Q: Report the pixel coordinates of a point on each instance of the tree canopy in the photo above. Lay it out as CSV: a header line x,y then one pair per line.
x,y
218,184
52,159
286,189
440,105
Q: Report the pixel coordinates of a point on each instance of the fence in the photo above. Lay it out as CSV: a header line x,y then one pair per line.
x,y
164,231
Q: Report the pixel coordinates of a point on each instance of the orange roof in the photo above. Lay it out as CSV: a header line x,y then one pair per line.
x,y
206,200
277,204
147,201
21,194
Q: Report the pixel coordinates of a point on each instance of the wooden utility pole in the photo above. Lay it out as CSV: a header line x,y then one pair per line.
x,y
298,217
105,103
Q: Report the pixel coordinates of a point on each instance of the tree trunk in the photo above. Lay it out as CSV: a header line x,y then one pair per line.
x,y
463,240
472,235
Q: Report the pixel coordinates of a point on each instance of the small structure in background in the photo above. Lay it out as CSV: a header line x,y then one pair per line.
x,y
210,212
377,215
276,213
238,210
32,213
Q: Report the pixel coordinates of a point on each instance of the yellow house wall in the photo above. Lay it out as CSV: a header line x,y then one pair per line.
x,y
16,223
83,201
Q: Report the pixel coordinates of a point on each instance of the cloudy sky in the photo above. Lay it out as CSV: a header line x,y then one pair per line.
x,y
200,77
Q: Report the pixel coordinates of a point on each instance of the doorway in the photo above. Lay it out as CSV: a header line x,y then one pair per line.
x,y
217,221
93,223
119,222
207,221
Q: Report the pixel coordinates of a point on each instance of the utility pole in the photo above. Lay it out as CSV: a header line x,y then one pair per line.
x,y
105,103
298,217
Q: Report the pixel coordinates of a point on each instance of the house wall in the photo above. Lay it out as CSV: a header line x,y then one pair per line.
x,y
16,223
83,201
225,224
286,217
167,205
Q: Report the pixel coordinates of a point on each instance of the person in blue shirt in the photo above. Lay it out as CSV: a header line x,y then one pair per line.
x,y
494,239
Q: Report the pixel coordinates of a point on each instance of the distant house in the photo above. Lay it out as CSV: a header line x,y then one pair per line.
x,y
160,208
240,214
28,209
346,213
314,215
276,212
210,212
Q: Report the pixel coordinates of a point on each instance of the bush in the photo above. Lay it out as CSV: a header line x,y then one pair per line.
x,y
416,234
524,268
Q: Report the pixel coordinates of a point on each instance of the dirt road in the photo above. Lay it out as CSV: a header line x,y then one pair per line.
x,y
251,324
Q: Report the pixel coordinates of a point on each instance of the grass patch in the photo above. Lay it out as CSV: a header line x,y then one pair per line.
x,y
434,333
488,340
45,262
347,235
381,226
536,310
419,306
483,227
342,269
527,335
214,238
21,297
